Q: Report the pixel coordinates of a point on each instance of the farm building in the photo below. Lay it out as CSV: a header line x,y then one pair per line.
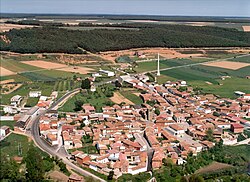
x,y
35,93
4,130
108,73
16,100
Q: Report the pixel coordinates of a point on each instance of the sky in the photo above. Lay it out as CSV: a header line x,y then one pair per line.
x,y
133,7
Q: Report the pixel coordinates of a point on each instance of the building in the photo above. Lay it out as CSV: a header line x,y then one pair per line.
x,y
16,100
4,130
237,128
107,73
35,93
246,96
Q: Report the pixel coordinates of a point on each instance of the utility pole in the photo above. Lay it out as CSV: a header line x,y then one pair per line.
x,y
158,66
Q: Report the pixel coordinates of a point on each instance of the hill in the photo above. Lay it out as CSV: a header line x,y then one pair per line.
x,y
53,39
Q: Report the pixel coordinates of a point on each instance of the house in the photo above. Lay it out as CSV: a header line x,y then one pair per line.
x,y
237,128
87,108
108,73
16,100
246,96
176,130
35,93
4,130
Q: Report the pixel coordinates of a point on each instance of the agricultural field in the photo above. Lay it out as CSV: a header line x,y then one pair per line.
x,y
132,95
9,146
31,102
64,85
45,87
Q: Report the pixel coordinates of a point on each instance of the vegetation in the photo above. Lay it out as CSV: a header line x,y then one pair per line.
x,y
49,39
7,123
134,178
130,96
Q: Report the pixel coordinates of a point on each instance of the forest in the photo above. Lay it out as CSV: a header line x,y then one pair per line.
x,y
60,40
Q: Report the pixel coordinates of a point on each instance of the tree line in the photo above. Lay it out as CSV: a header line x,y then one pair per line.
x,y
61,40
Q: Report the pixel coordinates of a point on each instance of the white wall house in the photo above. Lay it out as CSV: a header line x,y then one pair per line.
x,y
35,93
16,100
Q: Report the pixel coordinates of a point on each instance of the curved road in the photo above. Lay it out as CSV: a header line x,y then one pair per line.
x,y
61,154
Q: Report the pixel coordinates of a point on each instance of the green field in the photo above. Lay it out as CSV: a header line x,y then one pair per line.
x,y
152,65
9,146
7,123
45,87
31,101
16,66
227,88
132,97
245,59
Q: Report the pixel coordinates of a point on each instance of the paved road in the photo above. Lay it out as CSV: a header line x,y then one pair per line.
x,y
61,153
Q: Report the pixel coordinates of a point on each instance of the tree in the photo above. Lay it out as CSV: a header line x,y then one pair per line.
x,y
118,84
34,165
78,105
157,112
195,178
86,84
210,135
111,174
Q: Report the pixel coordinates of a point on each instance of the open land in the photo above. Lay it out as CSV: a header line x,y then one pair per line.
x,y
7,27
215,166
118,98
5,72
246,28
227,64
77,69
44,64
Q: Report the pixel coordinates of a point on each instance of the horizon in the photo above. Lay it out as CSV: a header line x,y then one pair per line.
x,y
204,8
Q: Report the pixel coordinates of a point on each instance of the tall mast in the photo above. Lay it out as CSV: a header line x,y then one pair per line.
x,y
158,66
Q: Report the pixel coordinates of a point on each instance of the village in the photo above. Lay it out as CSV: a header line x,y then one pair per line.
x,y
172,122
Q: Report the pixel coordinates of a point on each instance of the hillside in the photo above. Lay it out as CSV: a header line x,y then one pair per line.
x,y
52,39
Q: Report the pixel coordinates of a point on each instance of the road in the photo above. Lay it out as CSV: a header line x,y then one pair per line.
x,y
53,151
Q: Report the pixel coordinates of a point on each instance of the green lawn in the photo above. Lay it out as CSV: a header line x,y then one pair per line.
x,y
32,101
9,146
8,123
245,59
227,88
132,97
98,102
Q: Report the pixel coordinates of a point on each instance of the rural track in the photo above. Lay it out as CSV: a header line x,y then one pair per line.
x,y
194,64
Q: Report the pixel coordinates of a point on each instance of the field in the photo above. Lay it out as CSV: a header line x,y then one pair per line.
x,y
131,95
9,146
31,102
44,64
119,98
246,28
46,89
5,72
213,167
7,27
228,64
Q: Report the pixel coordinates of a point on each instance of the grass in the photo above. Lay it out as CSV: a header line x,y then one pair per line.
x,y
9,146
8,123
227,89
32,101
132,97
98,102
16,66
45,87
87,148
245,59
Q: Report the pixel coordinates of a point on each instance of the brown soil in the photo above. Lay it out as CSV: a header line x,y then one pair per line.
x,y
44,64
118,98
7,27
148,52
246,28
6,81
58,176
77,69
5,72
227,64
213,167
10,87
